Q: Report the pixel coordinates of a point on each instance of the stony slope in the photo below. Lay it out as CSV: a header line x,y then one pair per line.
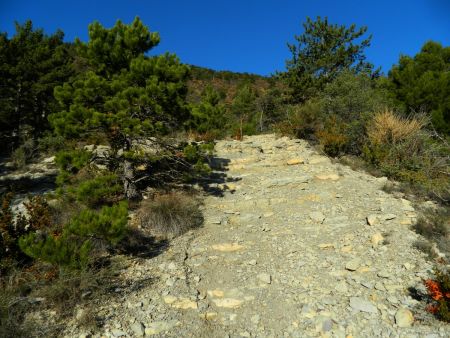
x,y
285,251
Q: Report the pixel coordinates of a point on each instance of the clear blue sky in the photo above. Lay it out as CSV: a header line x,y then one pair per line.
x,y
243,35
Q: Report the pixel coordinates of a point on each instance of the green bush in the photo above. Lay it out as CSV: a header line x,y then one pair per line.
x,y
72,160
73,247
333,137
422,83
108,224
96,191
50,143
197,154
348,104
351,96
70,163
64,251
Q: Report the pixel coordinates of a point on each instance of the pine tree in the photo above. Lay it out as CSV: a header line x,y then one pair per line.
x,y
322,52
122,93
422,83
73,247
31,65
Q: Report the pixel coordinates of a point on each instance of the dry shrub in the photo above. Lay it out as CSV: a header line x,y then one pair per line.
x,y
389,128
74,287
14,304
406,151
170,215
12,314
26,294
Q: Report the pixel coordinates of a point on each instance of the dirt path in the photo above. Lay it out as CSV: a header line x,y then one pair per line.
x,y
287,251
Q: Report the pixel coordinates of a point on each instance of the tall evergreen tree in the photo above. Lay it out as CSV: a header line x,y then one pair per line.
x,y
31,65
422,83
122,93
321,53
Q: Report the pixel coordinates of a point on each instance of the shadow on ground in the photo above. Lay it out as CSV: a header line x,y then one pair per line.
x,y
139,244
215,183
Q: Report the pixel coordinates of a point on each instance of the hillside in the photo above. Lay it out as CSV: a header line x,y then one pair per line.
x,y
143,196
225,82
292,245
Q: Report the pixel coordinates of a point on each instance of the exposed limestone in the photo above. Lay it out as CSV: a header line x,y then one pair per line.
x,y
353,265
265,278
357,303
327,176
404,318
376,239
216,293
295,161
228,302
317,216
184,304
285,251
227,247
372,219
159,327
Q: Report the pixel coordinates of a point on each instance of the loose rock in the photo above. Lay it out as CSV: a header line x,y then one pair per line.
x,y
404,318
363,305
353,265
265,277
372,219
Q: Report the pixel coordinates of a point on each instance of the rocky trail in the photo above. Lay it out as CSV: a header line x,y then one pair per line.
x,y
285,251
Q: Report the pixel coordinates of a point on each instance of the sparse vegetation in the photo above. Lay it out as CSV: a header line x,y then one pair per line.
x,y
403,149
66,99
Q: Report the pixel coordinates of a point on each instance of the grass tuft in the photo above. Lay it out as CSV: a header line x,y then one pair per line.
x,y
170,215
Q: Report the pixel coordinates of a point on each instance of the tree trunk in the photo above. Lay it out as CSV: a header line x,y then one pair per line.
x,y
129,181
18,117
129,185
240,130
261,121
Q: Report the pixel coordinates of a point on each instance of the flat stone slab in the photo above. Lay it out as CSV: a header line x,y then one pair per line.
x,y
360,304
295,161
327,176
230,303
227,247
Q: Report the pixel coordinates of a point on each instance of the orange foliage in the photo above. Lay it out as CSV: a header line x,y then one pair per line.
x,y
434,289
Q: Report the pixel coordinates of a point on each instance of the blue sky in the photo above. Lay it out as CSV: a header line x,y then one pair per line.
x,y
246,35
